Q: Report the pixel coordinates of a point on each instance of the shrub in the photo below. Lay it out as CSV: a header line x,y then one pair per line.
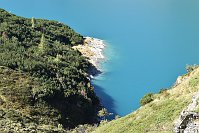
x,y
162,90
190,68
103,113
146,99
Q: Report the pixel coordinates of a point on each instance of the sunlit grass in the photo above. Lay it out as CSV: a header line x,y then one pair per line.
x,y
160,114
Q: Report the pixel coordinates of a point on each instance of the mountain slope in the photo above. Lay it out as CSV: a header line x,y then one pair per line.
x,y
43,78
161,114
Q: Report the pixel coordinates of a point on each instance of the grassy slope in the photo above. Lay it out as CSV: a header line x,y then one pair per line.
x,y
159,115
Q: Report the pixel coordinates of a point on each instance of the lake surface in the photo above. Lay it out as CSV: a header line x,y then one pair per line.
x,y
149,41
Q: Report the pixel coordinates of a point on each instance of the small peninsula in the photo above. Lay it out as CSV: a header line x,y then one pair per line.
x,y
93,49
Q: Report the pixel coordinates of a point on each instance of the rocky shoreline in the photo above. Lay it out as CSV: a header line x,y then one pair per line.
x,y
93,49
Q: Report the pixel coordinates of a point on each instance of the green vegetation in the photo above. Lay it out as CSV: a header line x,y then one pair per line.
x,y
44,82
162,90
44,85
103,113
190,68
194,81
146,99
158,115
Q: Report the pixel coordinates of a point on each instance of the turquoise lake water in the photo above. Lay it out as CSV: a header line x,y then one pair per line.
x,y
149,41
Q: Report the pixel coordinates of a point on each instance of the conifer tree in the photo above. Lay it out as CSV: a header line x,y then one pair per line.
x,y
57,59
33,22
41,45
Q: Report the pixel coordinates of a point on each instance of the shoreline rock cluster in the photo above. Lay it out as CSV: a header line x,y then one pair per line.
x,y
93,49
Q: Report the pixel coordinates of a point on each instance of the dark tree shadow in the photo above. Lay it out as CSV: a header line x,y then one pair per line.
x,y
106,100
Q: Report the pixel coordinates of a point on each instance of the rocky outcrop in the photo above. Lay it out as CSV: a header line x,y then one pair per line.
x,y
92,48
192,127
186,122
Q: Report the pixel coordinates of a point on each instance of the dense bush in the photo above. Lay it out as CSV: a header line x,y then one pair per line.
x,y
23,30
58,83
146,99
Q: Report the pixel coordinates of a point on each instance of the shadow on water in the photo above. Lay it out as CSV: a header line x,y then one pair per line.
x,y
106,100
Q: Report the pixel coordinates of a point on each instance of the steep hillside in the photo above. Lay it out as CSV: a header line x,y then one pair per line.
x,y
43,81
161,114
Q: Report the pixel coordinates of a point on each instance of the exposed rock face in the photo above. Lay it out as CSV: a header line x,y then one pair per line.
x,y
179,80
187,120
92,48
192,127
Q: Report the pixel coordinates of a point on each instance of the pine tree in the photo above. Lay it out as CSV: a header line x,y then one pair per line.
x,y
33,22
41,45
57,59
